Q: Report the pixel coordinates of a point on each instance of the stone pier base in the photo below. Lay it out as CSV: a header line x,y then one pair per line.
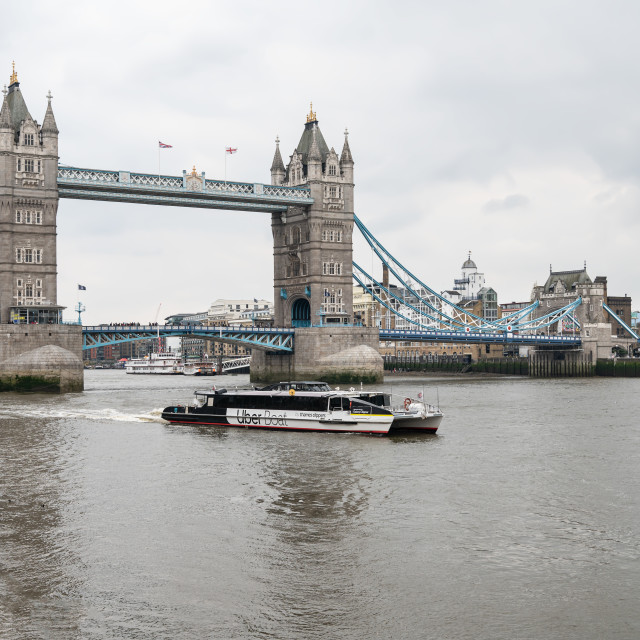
x,y
41,358
560,364
346,355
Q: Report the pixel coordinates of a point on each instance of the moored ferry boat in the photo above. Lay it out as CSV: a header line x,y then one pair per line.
x,y
162,363
199,369
290,410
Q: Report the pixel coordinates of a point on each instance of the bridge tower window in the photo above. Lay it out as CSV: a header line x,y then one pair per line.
x,y
29,255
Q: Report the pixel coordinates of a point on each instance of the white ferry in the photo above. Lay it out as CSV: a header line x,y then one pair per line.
x,y
162,363
199,369
290,410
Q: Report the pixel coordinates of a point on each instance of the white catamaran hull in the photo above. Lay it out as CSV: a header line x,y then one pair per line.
x,y
415,421
337,422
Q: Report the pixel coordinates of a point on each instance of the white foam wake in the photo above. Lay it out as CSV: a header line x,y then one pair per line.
x,y
100,415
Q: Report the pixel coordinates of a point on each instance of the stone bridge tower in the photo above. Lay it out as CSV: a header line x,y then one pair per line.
x,y
313,245
28,209
313,252
37,352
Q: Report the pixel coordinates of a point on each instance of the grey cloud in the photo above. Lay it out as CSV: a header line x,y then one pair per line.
x,y
513,201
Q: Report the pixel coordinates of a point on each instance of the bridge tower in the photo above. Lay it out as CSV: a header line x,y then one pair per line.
x,y
28,210
313,252
313,245
37,352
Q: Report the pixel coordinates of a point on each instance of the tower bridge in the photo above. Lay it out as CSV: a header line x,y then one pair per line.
x,y
311,205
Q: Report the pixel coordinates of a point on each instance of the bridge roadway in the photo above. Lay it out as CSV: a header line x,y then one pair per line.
x,y
276,339
479,337
188,190
265,338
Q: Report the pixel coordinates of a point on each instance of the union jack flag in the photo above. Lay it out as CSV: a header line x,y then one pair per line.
x,y
162,145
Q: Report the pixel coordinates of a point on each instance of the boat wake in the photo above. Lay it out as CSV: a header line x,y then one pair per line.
x,y
98,415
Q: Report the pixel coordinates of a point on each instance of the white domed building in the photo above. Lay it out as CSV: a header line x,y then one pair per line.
x,y
471,282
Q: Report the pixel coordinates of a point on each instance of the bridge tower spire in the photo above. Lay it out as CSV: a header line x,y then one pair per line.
x,y
313,244
28,210
277,166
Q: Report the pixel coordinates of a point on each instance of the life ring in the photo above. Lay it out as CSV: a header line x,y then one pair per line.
x,y
292,392
407,403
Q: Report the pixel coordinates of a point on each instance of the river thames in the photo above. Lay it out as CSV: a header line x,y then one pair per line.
x,y
519,520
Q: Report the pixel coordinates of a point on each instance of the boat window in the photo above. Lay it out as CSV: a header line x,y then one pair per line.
x,y
336,404
379,399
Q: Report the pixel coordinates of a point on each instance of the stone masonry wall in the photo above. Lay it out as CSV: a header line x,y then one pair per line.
x,y
312,345
41,358
16,339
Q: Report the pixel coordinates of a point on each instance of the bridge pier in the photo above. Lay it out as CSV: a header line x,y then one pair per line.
x,y
39,357
561,364
345,355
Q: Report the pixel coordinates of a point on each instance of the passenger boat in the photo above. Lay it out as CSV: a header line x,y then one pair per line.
x,y
408,415
275,409
162,363
199,369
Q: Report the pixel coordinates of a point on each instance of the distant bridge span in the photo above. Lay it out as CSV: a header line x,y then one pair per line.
x,y
267,339
479,337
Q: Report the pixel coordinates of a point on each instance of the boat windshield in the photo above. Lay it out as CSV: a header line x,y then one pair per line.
x,y
297,386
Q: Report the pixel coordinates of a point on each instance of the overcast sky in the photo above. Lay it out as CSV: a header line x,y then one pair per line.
x,y
508,129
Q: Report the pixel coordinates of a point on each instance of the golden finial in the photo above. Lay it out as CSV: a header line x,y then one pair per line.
x,y
14,75
312,116
193,171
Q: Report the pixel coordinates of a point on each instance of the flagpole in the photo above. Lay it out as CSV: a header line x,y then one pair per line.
x,y
225,167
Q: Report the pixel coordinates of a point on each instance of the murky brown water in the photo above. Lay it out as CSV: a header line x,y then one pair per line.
x,y
521,519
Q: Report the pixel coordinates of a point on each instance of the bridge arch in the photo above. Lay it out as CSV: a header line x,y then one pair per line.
x,y
301,313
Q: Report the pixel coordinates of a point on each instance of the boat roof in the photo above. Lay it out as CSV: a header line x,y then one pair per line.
x,y
269,392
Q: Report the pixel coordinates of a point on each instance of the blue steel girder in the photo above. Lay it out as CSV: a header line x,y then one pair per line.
x,y
620,321
266,339
124,186
478,337
511,323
